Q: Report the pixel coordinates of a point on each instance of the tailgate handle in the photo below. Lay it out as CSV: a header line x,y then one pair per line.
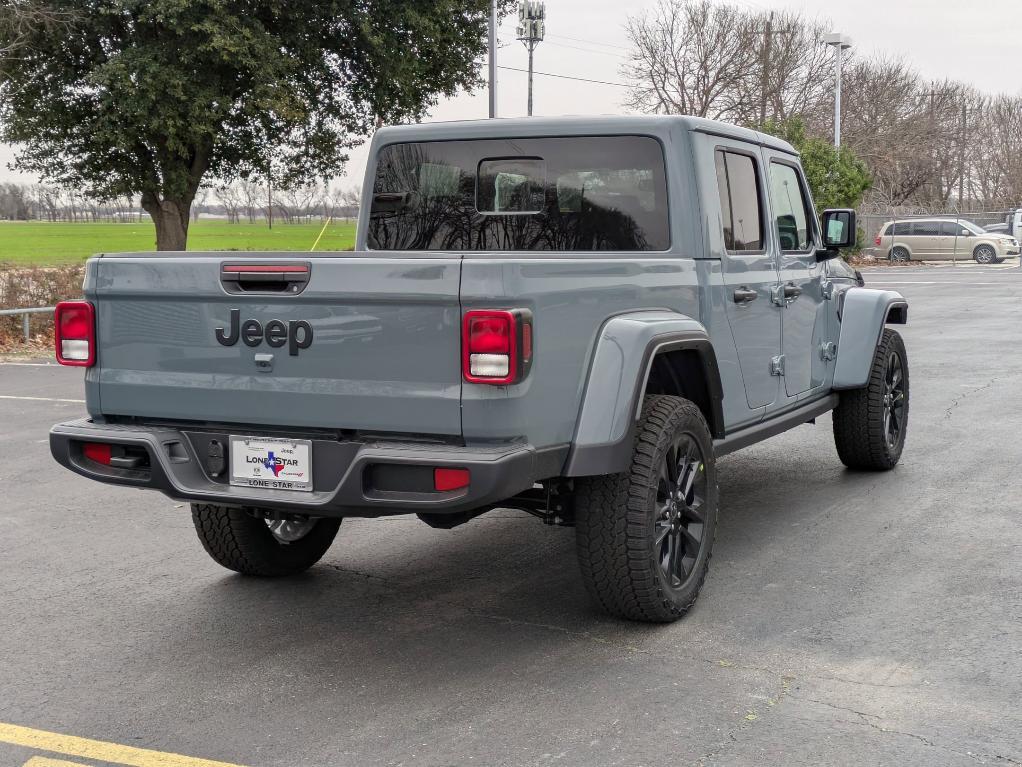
x,y
290,278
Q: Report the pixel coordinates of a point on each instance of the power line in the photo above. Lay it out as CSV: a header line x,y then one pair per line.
x,y
587,50
569,77
591,42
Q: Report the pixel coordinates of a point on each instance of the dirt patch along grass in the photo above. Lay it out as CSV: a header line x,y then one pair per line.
x,y
42,243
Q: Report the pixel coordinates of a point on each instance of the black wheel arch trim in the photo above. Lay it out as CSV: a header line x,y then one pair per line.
x,y
614,457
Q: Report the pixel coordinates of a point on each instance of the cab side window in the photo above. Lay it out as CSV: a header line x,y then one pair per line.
x,y
791,209
740,202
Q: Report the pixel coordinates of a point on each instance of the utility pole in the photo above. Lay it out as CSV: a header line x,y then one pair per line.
x,y
269,193
765,67
768,33
840,43
493,58
961,157
531,30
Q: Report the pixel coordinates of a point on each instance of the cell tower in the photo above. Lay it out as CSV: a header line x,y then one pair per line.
x,y
531,29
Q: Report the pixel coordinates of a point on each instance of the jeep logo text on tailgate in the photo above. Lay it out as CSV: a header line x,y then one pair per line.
x,y
297,334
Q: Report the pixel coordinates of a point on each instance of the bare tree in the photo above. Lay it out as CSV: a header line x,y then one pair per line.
x,y
793,73
230,197
20,18
296,202
201,196
932,145
254,195
693,57
346,201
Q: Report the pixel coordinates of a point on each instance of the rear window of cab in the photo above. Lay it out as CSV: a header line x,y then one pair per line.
x,y
596,193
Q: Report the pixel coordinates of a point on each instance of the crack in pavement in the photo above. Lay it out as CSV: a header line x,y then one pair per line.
x,y
863,721
748,721
964,395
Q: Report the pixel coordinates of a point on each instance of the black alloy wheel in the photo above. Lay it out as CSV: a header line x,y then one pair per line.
x,y
680,521
894,399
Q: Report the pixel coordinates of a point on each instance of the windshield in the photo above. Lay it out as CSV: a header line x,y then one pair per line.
x,y
972,227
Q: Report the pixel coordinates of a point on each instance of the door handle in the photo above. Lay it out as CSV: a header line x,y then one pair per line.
x,y
791,291
744,295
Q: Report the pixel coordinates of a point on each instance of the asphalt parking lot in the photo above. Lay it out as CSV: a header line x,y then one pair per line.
x,y
849,619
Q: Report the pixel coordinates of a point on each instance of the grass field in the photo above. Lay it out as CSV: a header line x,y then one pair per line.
x,y
39,243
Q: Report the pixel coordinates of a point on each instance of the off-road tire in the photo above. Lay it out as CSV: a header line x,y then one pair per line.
x,y
900,255
984,254
859,419
242,542
617,519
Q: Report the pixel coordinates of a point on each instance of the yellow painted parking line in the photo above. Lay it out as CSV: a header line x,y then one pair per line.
x,y
99,750
43,761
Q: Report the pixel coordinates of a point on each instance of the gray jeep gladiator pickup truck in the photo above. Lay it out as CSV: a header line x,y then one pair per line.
x,y
573,317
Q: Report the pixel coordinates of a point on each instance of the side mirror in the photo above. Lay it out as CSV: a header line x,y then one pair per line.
x,y
839,232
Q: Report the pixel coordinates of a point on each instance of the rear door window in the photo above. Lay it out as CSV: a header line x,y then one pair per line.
x,y
925,228
741,203
576,193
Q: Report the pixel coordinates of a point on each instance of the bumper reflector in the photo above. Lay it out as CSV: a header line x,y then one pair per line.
x,y
98,452
446,480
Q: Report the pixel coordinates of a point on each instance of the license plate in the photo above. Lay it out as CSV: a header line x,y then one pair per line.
x,y
273,464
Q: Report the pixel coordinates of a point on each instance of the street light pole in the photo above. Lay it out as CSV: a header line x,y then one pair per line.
x,y
493,58
531,30
840,43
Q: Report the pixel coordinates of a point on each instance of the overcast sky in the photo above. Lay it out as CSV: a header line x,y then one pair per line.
x,y
978,43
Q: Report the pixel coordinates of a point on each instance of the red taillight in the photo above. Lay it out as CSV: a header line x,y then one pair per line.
x,y
496,346
877,241
74,326
446,480
97,451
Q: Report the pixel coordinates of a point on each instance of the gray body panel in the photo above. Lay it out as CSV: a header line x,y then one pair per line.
x,y
386,359
385,354
863,316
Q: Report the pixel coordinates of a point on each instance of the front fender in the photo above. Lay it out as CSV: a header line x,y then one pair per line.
x,y
864,312
612,398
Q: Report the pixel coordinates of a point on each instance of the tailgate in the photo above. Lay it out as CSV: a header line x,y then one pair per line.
x,y
383,354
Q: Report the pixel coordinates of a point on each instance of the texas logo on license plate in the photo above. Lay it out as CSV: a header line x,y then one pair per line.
x,y
273,464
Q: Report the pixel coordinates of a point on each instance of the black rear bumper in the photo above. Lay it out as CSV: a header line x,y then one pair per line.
x,y
348,476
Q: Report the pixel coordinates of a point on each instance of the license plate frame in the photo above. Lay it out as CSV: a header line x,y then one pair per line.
x,y
250,463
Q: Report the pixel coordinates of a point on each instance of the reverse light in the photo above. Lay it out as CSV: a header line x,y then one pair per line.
x,y
496,346
74,328
446,480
